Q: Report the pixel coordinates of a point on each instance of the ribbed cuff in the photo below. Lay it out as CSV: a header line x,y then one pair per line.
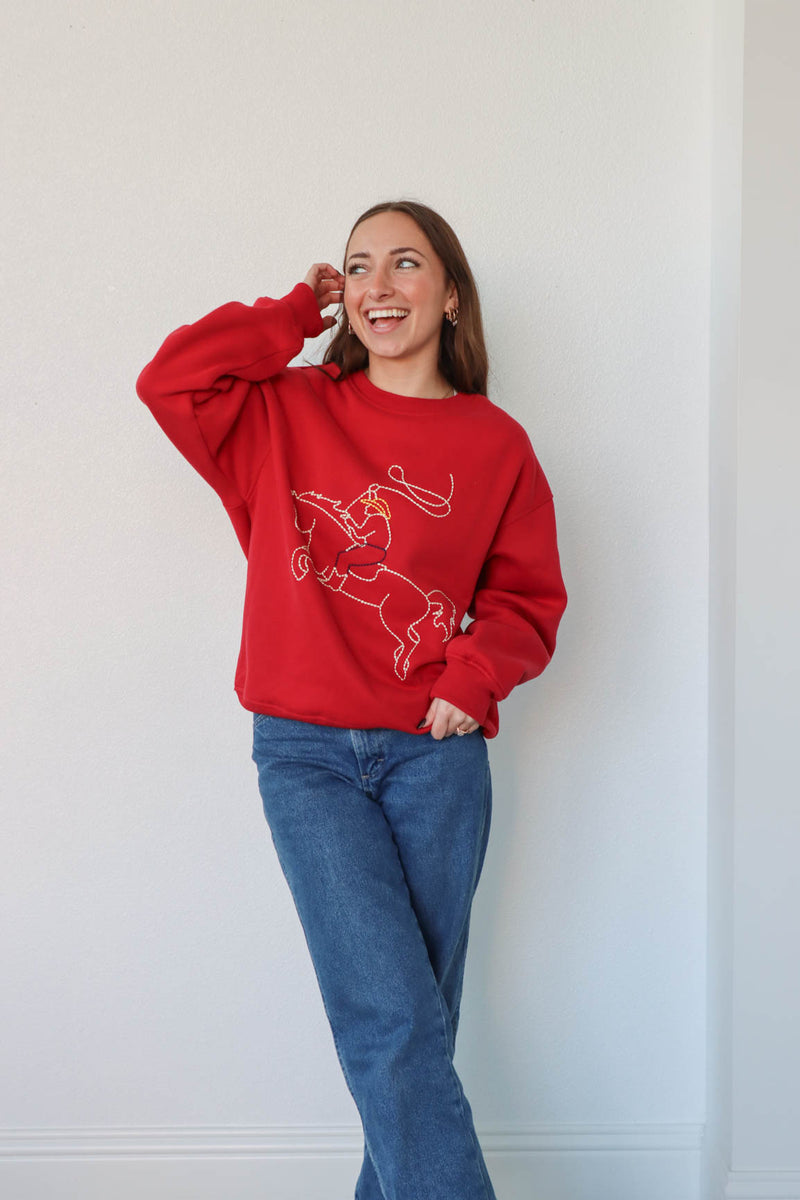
x,y
465,687
303,303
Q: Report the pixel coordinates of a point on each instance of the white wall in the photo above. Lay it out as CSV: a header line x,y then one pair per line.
x,y
766,1102
726,232
754,892
166,159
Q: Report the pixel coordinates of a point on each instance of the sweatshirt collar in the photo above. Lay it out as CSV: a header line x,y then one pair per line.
x,y
394,402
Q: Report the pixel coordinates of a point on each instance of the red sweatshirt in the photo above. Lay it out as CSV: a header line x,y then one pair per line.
x,y
372,524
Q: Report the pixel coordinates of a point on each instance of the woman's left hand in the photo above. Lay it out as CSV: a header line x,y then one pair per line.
x,y
445,719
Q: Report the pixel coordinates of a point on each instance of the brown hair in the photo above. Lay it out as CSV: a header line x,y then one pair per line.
x,y
462,350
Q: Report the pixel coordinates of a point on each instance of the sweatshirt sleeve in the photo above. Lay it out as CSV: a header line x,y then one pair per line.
x,y
202,385
516,609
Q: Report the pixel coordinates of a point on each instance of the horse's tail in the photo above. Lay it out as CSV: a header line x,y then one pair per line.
x,y
300,562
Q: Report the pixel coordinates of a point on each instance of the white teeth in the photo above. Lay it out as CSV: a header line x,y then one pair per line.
x,y
374,313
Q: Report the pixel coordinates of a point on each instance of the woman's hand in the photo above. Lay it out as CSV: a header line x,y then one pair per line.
x,y
327,284
445,719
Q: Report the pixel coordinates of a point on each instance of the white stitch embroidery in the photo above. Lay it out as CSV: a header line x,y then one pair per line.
x,y
348,556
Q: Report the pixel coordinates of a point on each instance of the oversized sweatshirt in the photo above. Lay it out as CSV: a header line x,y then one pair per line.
x,y
398,548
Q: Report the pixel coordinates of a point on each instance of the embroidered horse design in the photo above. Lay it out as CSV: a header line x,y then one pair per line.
x,y
346,548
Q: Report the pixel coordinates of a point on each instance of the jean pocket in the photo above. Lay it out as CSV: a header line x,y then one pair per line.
x,y
259,719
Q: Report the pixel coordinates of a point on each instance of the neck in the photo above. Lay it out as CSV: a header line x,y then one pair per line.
x,y
407,379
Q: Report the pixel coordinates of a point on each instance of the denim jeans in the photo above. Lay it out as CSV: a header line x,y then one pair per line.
x,y
381,835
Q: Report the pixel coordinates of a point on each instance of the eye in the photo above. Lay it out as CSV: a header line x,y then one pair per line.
x,y
408,261
355,268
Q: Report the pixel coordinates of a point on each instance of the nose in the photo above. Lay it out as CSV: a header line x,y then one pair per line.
x,y
381,285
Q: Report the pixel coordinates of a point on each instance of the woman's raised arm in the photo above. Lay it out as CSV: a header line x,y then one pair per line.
x,y
200,386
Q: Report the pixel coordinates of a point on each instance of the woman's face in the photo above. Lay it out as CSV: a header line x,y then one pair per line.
x,y
396,291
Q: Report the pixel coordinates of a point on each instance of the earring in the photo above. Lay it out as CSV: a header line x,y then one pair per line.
x,y
452,316
349,327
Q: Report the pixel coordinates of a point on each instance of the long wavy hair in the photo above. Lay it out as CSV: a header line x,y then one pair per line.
x,y
462,350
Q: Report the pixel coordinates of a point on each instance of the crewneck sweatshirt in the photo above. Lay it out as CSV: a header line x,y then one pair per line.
x,y
399,548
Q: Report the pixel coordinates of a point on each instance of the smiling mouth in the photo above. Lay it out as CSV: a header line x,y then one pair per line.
x,y
385,318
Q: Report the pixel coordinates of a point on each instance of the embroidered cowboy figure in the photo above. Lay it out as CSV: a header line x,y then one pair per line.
x,y
346,548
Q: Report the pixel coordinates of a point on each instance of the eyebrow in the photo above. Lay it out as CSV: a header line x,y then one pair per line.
x,y
397,250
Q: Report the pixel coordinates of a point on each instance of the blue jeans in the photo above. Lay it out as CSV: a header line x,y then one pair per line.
x,y
381,835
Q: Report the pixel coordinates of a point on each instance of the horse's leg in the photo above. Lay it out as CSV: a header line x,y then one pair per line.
x,y
404,601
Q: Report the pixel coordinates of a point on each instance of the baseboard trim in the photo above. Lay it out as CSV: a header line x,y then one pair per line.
x,y
315,1141
763,1185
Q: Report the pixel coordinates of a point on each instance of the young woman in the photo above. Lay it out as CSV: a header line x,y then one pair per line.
x,y
381,498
